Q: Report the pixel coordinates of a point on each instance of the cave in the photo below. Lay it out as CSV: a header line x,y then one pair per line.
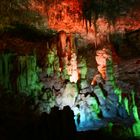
x,y
69,69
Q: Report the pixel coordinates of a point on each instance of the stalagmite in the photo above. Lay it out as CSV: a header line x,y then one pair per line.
x,y
67,57
136,125
126,104
101,58
118,92
74,70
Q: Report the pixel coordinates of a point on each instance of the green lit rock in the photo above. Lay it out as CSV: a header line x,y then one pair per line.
x,y
47,101
57,66
28,80
50,58
82,68
64,73
85,87
136,129
135,113
136,125
118,92
92,102
126,105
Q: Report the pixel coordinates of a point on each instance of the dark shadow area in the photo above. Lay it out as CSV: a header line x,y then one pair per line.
x,y
111,10
26,32
126,46
20,122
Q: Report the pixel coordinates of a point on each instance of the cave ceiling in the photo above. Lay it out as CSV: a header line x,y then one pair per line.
x,y
86,18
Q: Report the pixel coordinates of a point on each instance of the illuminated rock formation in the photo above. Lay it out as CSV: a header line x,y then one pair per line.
x,y
60,75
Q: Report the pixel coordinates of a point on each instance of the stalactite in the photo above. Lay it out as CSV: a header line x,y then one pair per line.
x,y
61,47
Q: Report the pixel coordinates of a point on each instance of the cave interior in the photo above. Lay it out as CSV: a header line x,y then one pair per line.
x,y
69,69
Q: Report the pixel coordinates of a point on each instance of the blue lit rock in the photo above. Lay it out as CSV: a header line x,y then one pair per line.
x,y
86,115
